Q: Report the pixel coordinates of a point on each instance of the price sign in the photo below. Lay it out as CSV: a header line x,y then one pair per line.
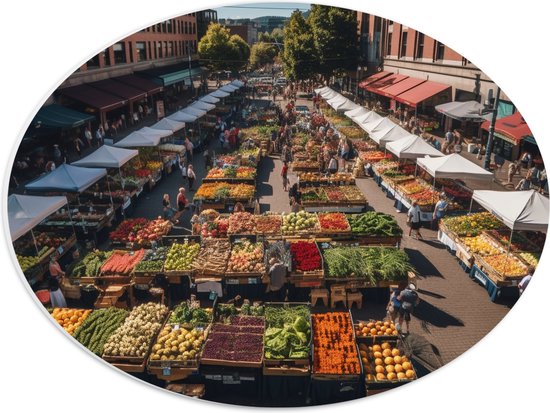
x,y
213,295
166,371
176,327
232,281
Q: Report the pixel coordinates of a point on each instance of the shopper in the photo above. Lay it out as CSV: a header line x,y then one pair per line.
x,y
57,155
189,149
525,280
284,174
295,205
183,168
525,160
439,211
207,159
408,299
543,181
191,177
88,136
394,305
239,207
413,219
295,193
512,170
167,209
276,287
525,183
99,135
56,277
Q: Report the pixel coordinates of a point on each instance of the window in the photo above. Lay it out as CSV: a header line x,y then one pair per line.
x,y
166,49
159,50
106,58
149,50
93,62
388,51
186,48
439,51
131,52
403,49
419,45
185,27
158,27
194,28
141,53
195,45
120,53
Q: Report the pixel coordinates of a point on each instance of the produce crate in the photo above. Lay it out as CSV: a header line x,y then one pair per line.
x,y
366,239
463,255
526,245
297,275
287,370
501,280
370,340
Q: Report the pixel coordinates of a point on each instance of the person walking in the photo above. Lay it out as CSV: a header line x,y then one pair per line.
x,y
167,209
183,168
393,306
276,287
189,149
191,177
99,135
56,277
413,219
207,159
525,161
408,298
284,174
512,170
332,165
88,136
525,183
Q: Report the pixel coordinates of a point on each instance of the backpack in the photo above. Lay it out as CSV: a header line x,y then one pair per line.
x,y
409,299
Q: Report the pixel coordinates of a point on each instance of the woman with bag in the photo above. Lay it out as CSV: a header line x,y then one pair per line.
x,y
413,219
167,209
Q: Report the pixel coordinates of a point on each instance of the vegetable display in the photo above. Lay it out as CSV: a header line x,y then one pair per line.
x,y
335,350
288,332
334,221
305,256
152,261
178,344
134,336
472,225
375,224
373,264
98,327
247,256
141,231
238,172
180,256
223,190
299,222
241,223
212,257
234,347
69,318
122,263
190,313
215,229
90,266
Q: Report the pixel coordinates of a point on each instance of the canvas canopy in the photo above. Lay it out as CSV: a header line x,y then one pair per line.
x,y
144,137
463,111
329,94
180,116
219,94
237,83
358,111
198,113
209,99
371,122
25,212
202,105
346,105
228,88
366,117
412,147
168,124
518,210
107,157
321,89
67,178
387,131
454,166
379,127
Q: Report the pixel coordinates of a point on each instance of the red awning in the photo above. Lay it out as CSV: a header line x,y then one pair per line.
x,y
513,127
397,88
141,83
422,92
373,78
119,89
385,82
93,97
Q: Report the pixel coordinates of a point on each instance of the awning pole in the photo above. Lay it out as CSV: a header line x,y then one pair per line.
x,y
34,241
471,204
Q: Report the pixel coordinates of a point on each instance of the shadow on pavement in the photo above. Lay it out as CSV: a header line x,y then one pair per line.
x,y
431,294
422,264
432,315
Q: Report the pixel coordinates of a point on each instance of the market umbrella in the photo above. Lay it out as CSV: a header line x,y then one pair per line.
x,y
168,124
412,147
229,88
209,99
463,111
182,117
107,157
237,83
219,94
356,112
202,105
67,178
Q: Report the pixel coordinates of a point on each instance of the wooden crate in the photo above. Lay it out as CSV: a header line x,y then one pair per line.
x,y
286,371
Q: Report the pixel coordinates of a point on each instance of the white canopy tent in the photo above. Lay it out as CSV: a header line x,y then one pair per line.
x,y
463,111
198,113
25,212
107,157
237,83
199,104
219,94
321,89
180,116
518,210
229,88
67,178
366,117
358,111
412,147
454,166
209,99
168,124
329,94
346,105
371,122
144,137
338,99
387,132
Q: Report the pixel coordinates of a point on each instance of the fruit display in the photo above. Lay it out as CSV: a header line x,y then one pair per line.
x,y
178,344
385,165
313,196
305,165
69,318
288,332
374,264
180,256
247,257
91,264
334,222
152,261
212,257
334,194
385,363
215,229
98,327
427,197
153,165
335,351
531,258
352,193
28,262
472,225
141,231
49,240
134,336
269,224
140,173
375,328
412,187
223,190
397,177
375,224
122,262
506,265
297,222
231,346
241,223
481,245
190,313
519,242
305,256
232,172
352,132
170,147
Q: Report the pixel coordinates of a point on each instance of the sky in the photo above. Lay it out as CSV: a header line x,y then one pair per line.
x,y
253,10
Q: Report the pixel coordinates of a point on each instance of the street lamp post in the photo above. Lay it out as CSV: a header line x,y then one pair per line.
x,y
490,139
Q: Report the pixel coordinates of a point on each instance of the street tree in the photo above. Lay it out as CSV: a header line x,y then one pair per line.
x,y
262,54
219,50
299,55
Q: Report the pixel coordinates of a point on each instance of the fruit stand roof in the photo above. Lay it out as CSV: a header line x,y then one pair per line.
x,y
454,166
144,137
519,210
387,131
25,212
219,94
355,113
198,113
209,99
107,157
180,116
67,178
470,110
342,103
169,124
412,147
202,105
229,88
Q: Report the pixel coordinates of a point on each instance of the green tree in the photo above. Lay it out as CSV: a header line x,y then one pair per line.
x,y
300,59
222,51
335,36
278,35
262,53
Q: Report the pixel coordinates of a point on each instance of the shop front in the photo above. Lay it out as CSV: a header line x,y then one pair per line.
x,y
512,137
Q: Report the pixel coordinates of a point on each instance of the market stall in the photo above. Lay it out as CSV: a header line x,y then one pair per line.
x,y
169,124
412,147
144,137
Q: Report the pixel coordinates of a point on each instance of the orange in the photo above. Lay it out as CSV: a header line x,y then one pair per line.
x,y
385,346
392,376
406,365
398,367
390,368
388,360
401,376
380,376
377,354
376,347
409,374
373,331
378,362
379,369
395,352
364,330
387,352
397,359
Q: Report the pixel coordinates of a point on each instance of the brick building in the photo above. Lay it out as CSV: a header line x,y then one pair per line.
x,y
204,18
247,31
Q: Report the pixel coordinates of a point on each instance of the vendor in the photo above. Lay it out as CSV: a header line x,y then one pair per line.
x,y
239,207
440,210
277,279
56,277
